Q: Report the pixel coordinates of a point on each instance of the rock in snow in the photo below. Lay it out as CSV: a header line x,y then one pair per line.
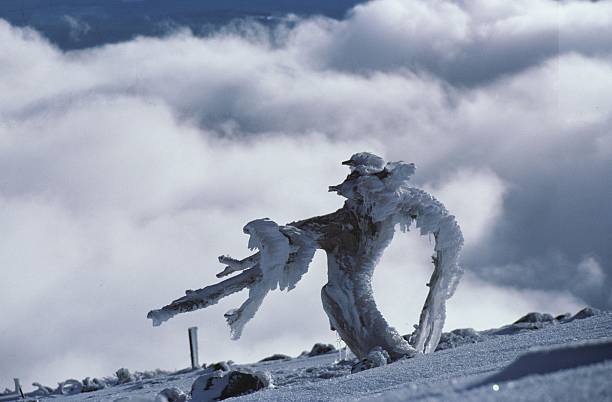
x,y
377,357
276,356
321,349
535,318
223,366
458,337
221,385
124,376
585,313
172,395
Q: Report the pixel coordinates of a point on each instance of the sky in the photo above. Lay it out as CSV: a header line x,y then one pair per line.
x,y
127,168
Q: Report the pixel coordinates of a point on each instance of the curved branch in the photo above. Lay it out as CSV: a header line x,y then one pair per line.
x,y
432,217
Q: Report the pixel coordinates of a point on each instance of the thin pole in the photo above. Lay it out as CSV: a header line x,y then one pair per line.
x,y
193,347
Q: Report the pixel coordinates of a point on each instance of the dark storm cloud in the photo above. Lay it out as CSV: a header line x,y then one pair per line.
x,y
126,169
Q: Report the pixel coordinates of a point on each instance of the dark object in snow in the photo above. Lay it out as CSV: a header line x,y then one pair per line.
x,y
378,199
534,321
223,366
90,385
321,349
563,317
274,357
458,337
528,322
376,358
219,385
124,376
172,395
535,317
585,313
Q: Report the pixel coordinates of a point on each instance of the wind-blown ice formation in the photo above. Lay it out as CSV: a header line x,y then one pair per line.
x,y
354,238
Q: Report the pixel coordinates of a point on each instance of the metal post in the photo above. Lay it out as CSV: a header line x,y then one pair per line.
x,y
193,347
18,390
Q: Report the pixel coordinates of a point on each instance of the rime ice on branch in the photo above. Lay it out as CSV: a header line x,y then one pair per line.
x,y
354,238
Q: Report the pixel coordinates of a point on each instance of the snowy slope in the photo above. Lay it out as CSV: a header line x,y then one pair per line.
x,y
487,370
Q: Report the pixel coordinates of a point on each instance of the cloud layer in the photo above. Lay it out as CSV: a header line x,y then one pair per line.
x,y
126,169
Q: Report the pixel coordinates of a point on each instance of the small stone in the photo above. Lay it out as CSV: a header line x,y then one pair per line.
x,y
220,385
377,357
124,376
277,356
223,366
585,313
173,395
563,317
90,385
535,318
321,349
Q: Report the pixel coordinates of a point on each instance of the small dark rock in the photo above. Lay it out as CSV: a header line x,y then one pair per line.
x,y
277,356
220,385
458,337
585,313
90,385
563,317
321,349
124,376
535,318
377,357
223,366
173,395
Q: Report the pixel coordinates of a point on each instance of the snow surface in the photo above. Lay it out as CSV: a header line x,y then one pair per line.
x,y
571,362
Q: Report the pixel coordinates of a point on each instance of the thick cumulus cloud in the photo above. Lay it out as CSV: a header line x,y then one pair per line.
x,y
126,169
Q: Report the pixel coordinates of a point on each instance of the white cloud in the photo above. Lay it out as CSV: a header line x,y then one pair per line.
x,y
475,198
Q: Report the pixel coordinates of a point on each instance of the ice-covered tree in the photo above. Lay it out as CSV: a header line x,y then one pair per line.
x,y
378,198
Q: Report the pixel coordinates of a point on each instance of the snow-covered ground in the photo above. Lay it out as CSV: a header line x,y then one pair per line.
x,y
566,360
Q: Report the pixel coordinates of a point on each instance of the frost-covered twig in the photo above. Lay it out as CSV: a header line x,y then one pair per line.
x,y
234,265
201,298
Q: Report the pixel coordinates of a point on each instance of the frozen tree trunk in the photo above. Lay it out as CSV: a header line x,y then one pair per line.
x,y
354,244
